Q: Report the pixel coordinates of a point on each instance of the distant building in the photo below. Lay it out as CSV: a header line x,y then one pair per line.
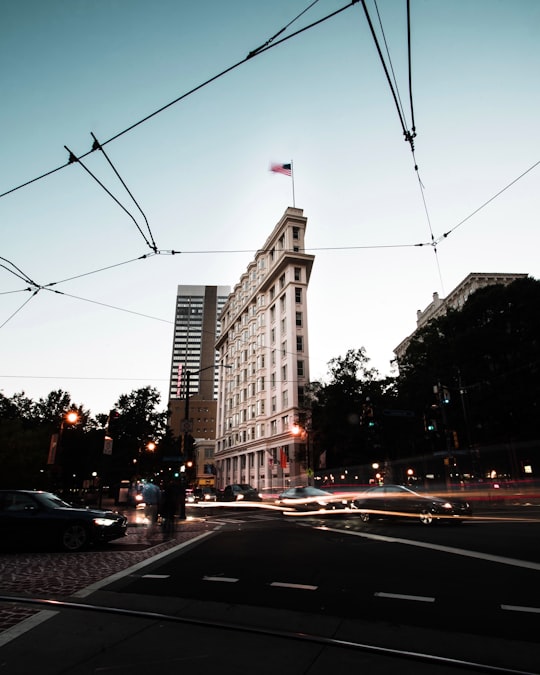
x,y
454,300
264,341
196,329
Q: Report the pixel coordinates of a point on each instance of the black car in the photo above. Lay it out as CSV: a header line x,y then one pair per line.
x,y
399,501
240,492
308,498
30,518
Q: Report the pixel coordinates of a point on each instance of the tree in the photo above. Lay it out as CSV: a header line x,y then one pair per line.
x,y
486,357
340,411
138,422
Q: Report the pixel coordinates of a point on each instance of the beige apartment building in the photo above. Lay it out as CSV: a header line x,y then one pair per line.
x,y
454,300
264,357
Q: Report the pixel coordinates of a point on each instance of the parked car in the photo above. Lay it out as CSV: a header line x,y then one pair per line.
x,y
240,491
308,498
31,518
399,501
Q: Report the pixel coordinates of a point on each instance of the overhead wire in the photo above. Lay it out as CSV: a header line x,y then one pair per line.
x,y
500,192
74,159
257,52
98,146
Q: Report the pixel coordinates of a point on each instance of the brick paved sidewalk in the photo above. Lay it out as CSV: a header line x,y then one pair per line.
x,y
57,575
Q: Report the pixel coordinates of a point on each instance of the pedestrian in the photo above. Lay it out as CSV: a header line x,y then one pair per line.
x,y
170,506
151,495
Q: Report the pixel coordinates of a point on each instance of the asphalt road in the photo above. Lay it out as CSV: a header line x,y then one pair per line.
x,y
468,593
479,578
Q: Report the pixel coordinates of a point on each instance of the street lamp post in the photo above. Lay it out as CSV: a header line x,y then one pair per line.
x,y
301,430
55,447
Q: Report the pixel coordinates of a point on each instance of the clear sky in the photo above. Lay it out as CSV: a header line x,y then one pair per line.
x,y
200,170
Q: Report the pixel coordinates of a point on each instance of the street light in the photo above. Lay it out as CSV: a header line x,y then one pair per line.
x,y
301,430
71,418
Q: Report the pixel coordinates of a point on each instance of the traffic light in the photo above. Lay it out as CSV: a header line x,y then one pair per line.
x,y
112,423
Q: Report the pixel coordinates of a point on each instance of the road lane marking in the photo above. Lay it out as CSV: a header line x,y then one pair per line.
x,y
156,576
402,596
517,608
302,587
227,580
437,547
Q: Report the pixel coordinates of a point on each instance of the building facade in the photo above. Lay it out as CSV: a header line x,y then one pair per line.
x,y
262,432
454,300
194,374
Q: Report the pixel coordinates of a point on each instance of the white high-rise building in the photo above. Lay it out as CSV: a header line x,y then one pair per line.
x,y
196,329
264,349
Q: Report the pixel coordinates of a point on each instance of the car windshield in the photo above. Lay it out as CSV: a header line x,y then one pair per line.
x,y
52,501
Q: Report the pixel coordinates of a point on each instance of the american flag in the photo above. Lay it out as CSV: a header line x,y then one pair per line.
x,y
282,168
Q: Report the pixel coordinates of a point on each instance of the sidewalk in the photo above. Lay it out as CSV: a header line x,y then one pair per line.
x,y
59,575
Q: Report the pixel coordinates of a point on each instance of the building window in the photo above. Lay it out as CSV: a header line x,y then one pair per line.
x,y
283,325
284,373
299,319
297,273
300,368
298,295
273,427
273,404
285,398
299,343
281,282
296,233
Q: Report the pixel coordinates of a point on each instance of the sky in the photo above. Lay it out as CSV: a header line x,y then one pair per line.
x,y
101,324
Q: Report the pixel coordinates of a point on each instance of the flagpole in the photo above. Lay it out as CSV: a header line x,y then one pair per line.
x,y
292,180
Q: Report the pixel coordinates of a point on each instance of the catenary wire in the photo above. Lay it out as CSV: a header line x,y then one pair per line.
x,y
398,97
21,307
413,124
126,130
98,147
104,304
74,159
443,236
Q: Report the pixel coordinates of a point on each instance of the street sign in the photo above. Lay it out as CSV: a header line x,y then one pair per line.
x,y
107,445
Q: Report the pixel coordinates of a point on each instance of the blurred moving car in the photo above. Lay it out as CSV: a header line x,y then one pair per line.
x,y
308,498
30,517
205,494
240,491
399,501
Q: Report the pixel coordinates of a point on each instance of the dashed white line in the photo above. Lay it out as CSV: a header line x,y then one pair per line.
x,y
517,608
303,587
402,596
227,580
156,576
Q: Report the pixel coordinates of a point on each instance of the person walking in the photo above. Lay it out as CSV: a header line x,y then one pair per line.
x,y
170,506
151,495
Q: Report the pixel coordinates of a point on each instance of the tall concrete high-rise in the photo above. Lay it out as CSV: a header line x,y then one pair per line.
x,y
196,329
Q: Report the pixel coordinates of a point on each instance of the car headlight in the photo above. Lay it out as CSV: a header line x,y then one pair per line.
x,y
447,505
239,497
104,522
